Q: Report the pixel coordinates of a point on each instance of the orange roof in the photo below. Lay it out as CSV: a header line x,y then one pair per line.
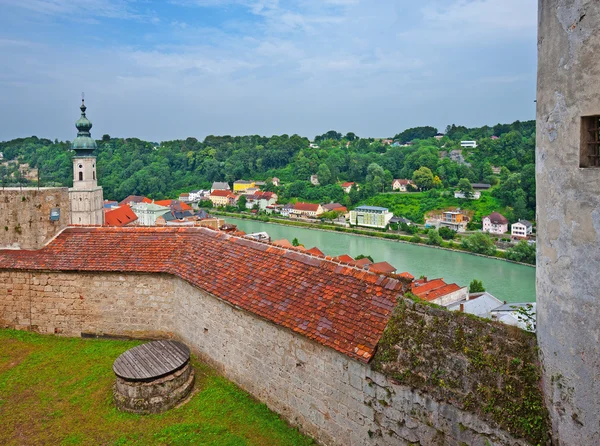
x,y
427,286
362,262
220,193
344,258
120,216
174,204
347,184
316,252
407,275
306,207
135,199
280,285
438,292
381,267
284,243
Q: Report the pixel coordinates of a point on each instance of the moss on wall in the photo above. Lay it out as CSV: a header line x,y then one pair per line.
x,y
481,366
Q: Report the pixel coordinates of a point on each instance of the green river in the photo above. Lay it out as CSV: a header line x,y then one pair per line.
x,y
507,281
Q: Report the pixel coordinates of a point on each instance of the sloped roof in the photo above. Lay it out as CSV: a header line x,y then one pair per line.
x,y
381,267
315,252
342,307
220,193
306,207
344,258
334,206
362,262
220,185
174,205
135,199
497,219
120,216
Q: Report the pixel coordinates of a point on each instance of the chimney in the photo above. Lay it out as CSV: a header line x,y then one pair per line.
x,y
462,308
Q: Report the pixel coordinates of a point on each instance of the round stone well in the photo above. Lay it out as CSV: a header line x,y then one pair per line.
x,y
153,377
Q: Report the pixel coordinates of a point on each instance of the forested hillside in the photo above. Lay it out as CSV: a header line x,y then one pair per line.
x,y
132,166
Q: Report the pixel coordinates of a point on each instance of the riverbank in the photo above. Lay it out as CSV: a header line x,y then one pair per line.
x,y
364,233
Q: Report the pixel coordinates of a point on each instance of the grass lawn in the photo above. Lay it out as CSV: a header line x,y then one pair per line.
x,y
56,390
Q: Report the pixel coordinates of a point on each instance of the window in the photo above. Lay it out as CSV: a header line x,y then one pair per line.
x,y
590,141
94,174
80,176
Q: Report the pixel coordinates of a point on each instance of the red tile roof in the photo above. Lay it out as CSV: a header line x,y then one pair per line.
x,y
421,287
497,219
431,290
347,184
381,267
316,252
284,243
174,204
120,216
306,207
135,199
342,307
344,258
407,275
220,193
439,292
362,262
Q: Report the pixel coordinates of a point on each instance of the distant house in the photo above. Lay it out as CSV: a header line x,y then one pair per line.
x,y
454,220
286,210
307,210
197,195
469,144
495,223
174,205
387,142
121,216
509,314
345,258
362,263
479,304
185,197
275,181
135,199
312,145
474,195
521,229
481,186
381,267
261,199
147,213
242,185
314,180
439,292
219,186
335,207
347,186
439,136
402,185
315,252
370,216
400,220
496,170
494,138
220,197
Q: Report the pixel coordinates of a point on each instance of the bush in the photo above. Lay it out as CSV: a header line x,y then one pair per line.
x,y
476,286
433,238
415,239
447,233
522,252
479,243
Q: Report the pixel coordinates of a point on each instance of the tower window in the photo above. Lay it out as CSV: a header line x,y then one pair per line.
x,y
94,174
590,141
80,176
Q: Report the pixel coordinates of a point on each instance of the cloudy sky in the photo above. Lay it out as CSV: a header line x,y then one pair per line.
x,y
164,69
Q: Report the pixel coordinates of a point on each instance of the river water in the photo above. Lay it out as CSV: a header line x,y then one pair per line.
x,y
507,281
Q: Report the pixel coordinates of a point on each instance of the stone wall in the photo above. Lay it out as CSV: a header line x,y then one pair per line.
x,y
568,218
25,216
330,396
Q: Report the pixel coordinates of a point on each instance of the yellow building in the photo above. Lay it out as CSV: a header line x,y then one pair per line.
x,y
242,185
220,197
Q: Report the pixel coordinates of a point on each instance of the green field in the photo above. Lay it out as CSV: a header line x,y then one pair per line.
x,y
56,390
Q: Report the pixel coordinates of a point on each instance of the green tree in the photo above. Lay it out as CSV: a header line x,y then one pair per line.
x,y
423,178
522,252
465,188
433,238
324,174
479,243
362,256
447,233
295,242
476,286
241,204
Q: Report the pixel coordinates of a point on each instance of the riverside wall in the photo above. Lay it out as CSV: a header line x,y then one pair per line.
x,y
328,395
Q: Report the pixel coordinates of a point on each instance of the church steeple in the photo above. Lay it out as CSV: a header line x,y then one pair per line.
x,y
84,145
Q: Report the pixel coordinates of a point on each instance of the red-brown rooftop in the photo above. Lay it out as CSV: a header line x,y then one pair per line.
x,y
340,306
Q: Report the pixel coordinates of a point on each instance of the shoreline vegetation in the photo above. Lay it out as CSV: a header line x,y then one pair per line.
x,y
365,232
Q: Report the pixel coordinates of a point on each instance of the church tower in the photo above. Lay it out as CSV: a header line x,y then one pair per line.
x,y
86,197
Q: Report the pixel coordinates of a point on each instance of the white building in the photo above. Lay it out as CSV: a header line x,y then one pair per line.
x,y
468,144
147,213
522,228
370,216
479,304
495,223
476,195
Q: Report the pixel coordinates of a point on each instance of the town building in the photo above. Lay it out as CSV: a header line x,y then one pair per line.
x,y
347,186
185,197
335,207
262,200
495,223
275,181
439,292
220,197
481,186
439,136
131,199
240,186
479,304
468,144
147,213
307,210
370,216
87,201
402,185
314,180
521,229
476,195
454,220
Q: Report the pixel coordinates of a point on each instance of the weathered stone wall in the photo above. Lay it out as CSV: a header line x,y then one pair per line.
x,y
568,218
330,396
25,216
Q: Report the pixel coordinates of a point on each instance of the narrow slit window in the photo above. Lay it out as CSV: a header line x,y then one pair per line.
x,y
80,176
590,141
94,174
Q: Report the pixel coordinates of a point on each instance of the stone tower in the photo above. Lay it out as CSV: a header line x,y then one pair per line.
x,y
568,211
86,196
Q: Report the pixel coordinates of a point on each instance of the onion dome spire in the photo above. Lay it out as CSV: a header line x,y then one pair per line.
x,y
84,144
